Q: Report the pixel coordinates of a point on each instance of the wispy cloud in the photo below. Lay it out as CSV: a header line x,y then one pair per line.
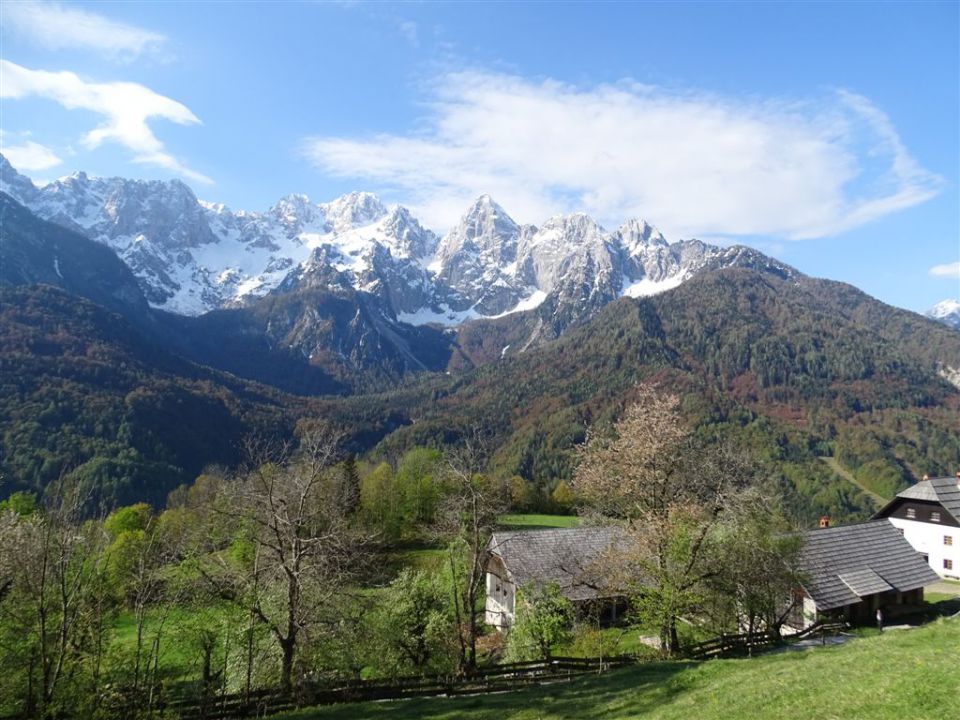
x,y
125,106
949,270
408,29
693,163
56,26
29,155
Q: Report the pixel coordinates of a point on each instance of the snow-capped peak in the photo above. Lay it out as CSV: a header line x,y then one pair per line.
x,y
191,256
944,308
946,311
485,228
352,210
637,235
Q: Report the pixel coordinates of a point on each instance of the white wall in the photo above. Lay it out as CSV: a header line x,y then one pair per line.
x,y
501,596
927,538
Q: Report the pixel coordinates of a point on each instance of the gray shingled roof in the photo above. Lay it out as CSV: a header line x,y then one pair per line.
x,y
944,490
865,582
948,493
564,556
847,562
921,491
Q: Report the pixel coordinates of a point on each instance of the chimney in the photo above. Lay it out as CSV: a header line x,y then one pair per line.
x,y
926,477
825,521
958,478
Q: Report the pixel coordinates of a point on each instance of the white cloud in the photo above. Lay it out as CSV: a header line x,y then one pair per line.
x,y
408,29
126,107
692,163
55,26
30,156
950,270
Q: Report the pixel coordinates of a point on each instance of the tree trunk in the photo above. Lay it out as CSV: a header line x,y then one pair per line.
x,y
287,647
674,638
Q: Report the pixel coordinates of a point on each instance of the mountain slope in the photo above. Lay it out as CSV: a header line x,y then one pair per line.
x,y
33,251
84,392
790,368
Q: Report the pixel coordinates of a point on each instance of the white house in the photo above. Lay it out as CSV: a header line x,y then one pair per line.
x,y
928,516
851,571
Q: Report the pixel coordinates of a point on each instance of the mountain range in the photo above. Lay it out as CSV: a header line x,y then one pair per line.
x,y
185,314
191,257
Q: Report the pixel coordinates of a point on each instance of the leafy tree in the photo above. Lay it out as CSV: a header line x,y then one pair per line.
x,y
758,561
562,498
418,482
128,519
415,628
544,618
380,501
22,503
669,490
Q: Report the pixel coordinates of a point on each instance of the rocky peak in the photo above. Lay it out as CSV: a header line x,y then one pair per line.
x,y
409,237
18,186
295,212
485,230
353,210
636,235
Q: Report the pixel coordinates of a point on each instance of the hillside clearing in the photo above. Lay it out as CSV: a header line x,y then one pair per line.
x,y
890,676
842,472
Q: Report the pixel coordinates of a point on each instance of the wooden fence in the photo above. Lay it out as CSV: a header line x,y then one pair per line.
x,y
497,678
743,644
748,643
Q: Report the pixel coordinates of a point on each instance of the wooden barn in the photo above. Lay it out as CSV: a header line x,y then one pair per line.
x,y
565,556
854,570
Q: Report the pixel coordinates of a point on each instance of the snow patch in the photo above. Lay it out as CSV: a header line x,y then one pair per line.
x,y
445,316
56,266
534,300
648,287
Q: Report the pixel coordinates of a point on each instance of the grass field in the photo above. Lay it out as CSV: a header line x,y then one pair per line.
x,y
537,522
904,674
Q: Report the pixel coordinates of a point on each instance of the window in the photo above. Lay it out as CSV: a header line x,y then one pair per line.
x,y
911,513
947,564
934,516
948,539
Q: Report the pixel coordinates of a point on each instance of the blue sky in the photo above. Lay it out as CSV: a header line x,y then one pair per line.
x,y
827,134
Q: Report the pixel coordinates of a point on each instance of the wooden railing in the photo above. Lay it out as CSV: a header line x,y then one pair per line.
x,y
748,643
497,678
742,644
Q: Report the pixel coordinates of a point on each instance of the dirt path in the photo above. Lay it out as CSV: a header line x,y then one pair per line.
x,y
847,475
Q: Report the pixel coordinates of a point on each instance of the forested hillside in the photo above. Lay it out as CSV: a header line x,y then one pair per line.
x,y
787,368
790,370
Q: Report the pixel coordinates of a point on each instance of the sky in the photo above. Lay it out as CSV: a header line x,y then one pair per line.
x,y
825,134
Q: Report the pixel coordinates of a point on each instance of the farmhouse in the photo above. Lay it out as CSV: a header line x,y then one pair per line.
x,y
564,556
928,516
851,571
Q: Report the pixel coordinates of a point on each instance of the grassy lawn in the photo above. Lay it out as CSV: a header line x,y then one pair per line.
x,y
910,673
537,522
179,652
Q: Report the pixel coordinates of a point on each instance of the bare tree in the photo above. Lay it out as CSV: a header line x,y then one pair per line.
x,y
304,548
468,515
52,561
